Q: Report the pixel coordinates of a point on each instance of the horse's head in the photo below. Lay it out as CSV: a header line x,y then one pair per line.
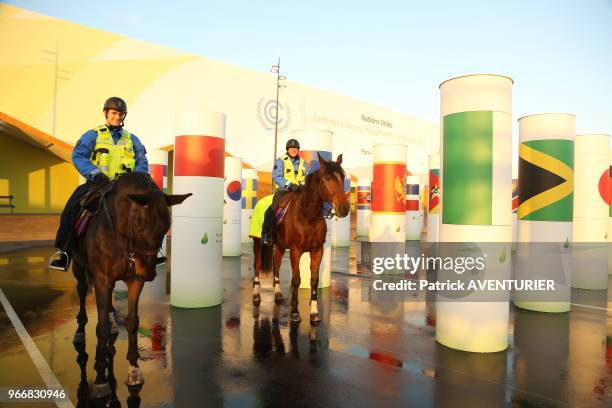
x,y
332,185
143,209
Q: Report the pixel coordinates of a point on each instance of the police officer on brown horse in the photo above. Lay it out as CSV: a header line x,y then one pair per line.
x,y
101,155
289,173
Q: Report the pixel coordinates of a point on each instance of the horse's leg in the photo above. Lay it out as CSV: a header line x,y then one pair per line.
x,y
278,295
295,255
80,273
276,264
315,262
131,323
257,262
103,291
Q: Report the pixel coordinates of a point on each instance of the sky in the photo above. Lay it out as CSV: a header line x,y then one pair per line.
x,y
391,53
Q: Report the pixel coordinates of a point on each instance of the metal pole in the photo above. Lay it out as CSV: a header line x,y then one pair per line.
x,y
276,114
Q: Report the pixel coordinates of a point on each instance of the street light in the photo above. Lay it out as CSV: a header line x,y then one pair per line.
x,y
276,70
53,56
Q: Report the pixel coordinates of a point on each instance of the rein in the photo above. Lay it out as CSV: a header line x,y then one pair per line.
x,y
331,214
130,249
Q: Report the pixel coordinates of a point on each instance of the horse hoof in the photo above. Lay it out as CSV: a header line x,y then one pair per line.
x,y
134,377
315,319
100,390
79,338
278,298
295,317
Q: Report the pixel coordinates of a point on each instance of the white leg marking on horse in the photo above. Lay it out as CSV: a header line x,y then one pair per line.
x,y
313,307
113,323
256,289
277,288
134,376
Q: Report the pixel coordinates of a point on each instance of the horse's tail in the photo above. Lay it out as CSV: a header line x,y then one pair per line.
x,y
263,258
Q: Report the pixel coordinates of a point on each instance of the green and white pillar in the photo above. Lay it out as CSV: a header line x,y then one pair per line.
x,y
546,187
591,212
476,174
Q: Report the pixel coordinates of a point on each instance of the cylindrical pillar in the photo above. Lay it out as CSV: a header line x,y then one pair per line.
x,y
414,214
433,205
476,118
341,227
197,224
312,142
609,200
546,163
232,190
249,199
388,219
591,212
363,211
158,169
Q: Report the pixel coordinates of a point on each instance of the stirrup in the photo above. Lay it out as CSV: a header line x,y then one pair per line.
x,y
56,261
266,239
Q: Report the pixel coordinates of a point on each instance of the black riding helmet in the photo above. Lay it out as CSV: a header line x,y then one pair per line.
x,y
116,103
292,143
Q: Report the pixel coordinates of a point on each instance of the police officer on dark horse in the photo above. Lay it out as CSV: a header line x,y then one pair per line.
x,y
101,154
126,227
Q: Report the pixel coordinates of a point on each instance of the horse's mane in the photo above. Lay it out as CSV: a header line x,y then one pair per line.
x,y
331,167
135,180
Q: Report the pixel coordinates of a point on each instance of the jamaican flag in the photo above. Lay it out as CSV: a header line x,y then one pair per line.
x,y
546,180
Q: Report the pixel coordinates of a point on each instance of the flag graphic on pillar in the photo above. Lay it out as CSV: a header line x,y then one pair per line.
x,y
310,157
159,174
476,168
249,193
514,195
546,180
363,197
234,190
434,191
388,188
412,197
605,187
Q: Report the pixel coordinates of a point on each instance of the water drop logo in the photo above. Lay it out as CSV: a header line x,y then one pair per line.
x,y
204,239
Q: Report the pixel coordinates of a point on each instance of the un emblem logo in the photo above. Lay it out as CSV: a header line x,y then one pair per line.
x,y
266,113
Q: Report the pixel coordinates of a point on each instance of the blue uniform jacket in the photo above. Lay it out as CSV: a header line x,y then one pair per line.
x,y
279,165
81,155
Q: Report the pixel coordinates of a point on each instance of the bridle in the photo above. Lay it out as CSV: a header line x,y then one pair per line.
x,y
331,195
129,238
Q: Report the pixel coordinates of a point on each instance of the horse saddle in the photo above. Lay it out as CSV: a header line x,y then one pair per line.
x,y
90,204
283,205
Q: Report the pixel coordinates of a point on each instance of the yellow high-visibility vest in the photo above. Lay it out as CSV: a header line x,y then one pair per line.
x,y
113,159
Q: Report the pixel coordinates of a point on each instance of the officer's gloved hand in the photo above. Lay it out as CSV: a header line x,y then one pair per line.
x,y
100,179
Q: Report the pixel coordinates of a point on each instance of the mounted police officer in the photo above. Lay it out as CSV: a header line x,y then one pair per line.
x,y
101,155
289,173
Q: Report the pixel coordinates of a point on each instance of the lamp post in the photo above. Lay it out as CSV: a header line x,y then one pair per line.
x,y
276,70
53,56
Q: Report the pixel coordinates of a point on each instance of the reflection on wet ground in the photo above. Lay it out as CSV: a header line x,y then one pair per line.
x,y
366,352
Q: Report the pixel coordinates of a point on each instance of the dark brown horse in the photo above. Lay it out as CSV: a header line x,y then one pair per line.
x,y
120,243
303,230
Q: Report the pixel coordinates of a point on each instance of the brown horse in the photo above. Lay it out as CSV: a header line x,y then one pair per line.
x,y
303,230
120,243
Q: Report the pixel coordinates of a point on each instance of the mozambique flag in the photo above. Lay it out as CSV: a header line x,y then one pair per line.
x,y
477,168
434,191
546,180
249,193
514,195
